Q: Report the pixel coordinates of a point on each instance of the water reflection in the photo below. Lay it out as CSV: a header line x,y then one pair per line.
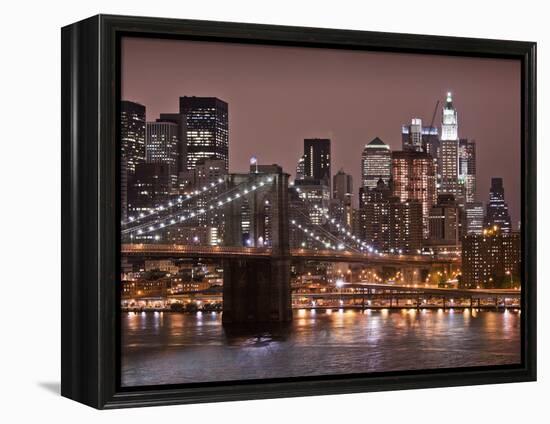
x,y
179,348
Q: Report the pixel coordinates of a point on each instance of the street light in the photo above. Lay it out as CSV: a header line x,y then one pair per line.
x,y
510,274
340,284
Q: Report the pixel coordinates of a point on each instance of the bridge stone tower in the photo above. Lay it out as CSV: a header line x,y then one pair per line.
x,y
257,289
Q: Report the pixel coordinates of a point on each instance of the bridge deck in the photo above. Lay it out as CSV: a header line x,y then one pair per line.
x,y
180,250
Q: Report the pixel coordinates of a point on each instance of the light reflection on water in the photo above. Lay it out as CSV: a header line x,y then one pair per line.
x,y
171,348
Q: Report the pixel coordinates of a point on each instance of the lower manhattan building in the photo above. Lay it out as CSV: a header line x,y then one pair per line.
x,y
413,178
491,259
342,196
161,146
444,221
375,163
473,218
497,208
467,169
387,224
150,188
315,195
419,138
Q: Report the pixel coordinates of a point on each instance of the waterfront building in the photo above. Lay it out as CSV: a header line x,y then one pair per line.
x,y
497,208
413,178
491,259
376,163
207,129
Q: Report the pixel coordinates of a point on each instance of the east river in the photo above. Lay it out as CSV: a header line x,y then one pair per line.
x,y
172,348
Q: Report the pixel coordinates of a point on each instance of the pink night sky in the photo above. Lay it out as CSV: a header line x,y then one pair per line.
x,y
278,96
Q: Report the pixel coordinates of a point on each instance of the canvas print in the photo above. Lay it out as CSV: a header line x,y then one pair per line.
x,y
291,212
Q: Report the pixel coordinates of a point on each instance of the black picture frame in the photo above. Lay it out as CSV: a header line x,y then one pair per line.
x,y
90,209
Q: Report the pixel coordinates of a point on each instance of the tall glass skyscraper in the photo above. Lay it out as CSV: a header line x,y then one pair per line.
x,y
132,147
207,129
375,163
317,159
497,208
132,137
467,168
162,145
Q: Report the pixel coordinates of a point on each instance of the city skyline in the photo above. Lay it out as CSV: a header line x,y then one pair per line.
x,y
342,132
260,201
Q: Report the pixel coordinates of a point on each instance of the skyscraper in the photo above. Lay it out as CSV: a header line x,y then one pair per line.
x,y
317,159
375,163
444,221
474,218
342,187
491,259
412,135
132,147
207,129
180,121
132,137
413,175
497,208
467,168
387,224
150,187
162,147
300,169
342,193
448,154
315,195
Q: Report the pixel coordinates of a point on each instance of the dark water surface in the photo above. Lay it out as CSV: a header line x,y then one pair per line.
x,y
172,348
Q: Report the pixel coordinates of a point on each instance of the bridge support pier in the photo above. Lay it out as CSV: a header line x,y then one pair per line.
x,y
256,291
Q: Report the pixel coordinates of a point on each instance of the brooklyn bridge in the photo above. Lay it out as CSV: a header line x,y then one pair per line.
x,y
260,217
